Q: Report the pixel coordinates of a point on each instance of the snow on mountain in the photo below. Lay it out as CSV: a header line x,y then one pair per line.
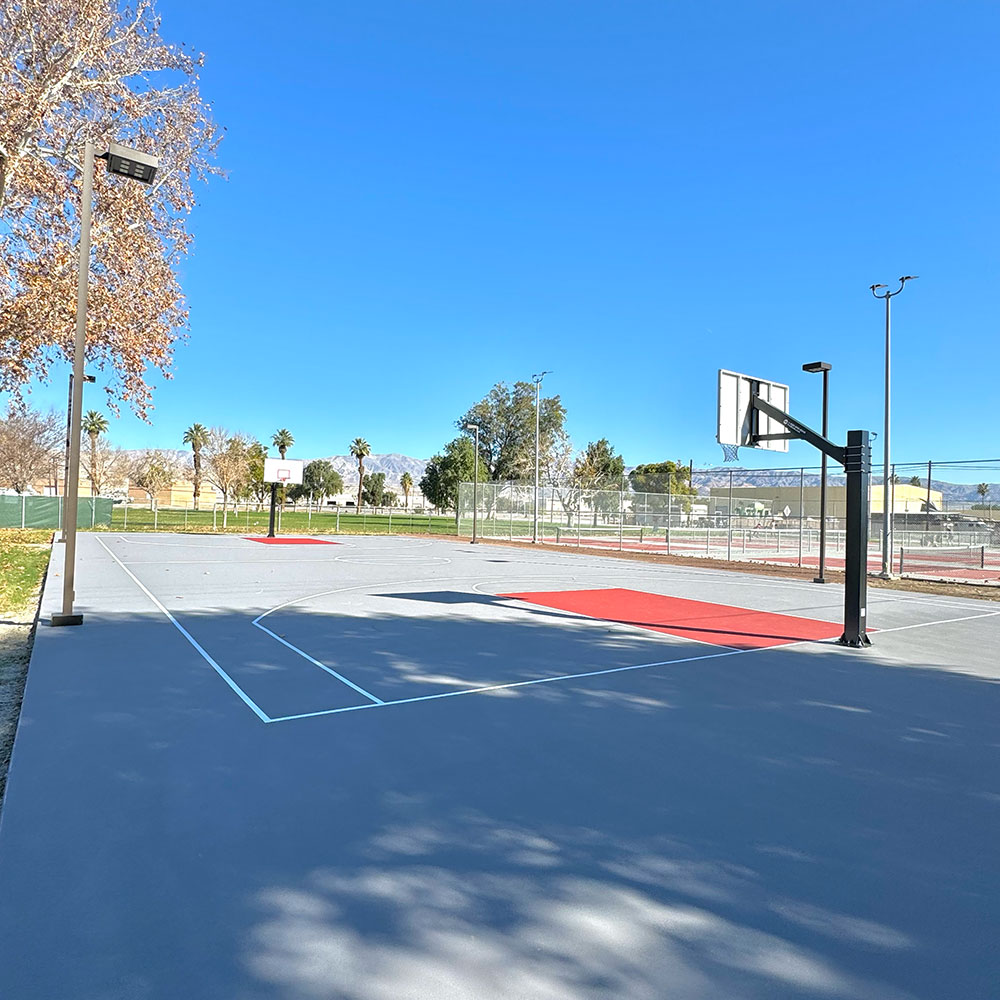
x,y
393,466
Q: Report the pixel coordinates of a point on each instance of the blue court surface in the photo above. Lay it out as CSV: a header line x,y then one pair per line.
x,y
366,771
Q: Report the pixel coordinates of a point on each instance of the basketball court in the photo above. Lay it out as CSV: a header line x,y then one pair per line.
x,y
375,768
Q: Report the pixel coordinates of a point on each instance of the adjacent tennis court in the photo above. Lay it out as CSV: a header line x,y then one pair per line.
x,y
376,768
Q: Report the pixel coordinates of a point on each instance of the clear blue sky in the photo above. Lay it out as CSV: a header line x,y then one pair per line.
x,y
426,198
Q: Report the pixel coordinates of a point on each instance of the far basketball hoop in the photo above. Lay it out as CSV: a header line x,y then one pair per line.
x,y
741,425
286,471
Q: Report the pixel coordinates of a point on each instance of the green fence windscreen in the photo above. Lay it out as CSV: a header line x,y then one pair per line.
x,y
45,512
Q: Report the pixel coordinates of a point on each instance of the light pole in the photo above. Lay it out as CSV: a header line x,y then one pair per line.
x,y
537,379
140,167
475,481
69,427
813,368
886,573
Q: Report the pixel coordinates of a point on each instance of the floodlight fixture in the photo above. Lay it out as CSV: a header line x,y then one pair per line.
x,y
131,163
815,367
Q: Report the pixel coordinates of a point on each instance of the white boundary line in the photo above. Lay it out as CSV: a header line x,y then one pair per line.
x,y
315,662
945,621
379,703
516,684
190,638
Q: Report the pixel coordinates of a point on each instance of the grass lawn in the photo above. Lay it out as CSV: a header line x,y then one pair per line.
x,y
141,518
24,554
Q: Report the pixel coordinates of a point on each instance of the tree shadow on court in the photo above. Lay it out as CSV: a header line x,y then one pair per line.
x,y
801,822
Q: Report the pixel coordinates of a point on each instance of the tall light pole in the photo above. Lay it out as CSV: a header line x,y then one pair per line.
x,y
824,367
475,481
886,573
537,379
140,167
69,428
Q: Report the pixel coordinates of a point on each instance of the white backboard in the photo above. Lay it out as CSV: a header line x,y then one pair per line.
x,y
738,422
287,471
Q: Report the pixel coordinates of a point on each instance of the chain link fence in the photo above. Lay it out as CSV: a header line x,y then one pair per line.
x,y
23,511
940,529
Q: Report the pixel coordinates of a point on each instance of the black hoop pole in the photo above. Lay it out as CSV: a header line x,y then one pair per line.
x,y
858,466
274,503
856,459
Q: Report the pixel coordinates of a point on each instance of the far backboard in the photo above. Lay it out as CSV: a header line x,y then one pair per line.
x,y
286,471
739,423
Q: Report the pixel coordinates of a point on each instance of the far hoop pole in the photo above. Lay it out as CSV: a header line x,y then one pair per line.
x,y
274,503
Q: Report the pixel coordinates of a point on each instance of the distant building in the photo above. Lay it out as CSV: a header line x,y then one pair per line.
x,y
784,501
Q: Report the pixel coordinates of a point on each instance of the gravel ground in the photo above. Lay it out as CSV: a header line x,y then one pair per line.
x,y
16,635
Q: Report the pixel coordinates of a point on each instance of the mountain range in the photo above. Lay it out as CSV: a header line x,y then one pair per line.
x,y
394,465
719,477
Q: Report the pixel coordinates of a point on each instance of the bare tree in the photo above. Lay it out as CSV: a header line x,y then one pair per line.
x,y
557,470
77,70
28,442
228,459
104,464
152,471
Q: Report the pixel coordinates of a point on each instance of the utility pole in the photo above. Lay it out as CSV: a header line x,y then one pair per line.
x,y
886,573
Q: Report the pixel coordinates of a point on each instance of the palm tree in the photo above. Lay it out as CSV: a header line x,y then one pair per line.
x,y
360,449
407,483
197,436
94,424
282,440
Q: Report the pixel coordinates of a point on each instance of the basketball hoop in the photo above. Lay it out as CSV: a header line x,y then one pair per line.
x,y
731,452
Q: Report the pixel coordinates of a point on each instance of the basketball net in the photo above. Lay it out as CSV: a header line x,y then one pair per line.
x,y
731,452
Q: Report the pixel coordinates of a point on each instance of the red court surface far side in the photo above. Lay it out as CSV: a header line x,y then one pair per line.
x,y
290,541
717,624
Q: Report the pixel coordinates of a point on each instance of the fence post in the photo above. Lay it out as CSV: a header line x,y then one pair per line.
x,y
338,520
927,519
156,515
802,501
22,511
125,525
93,511
729,521
309,513
621,516
669,508
215,523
